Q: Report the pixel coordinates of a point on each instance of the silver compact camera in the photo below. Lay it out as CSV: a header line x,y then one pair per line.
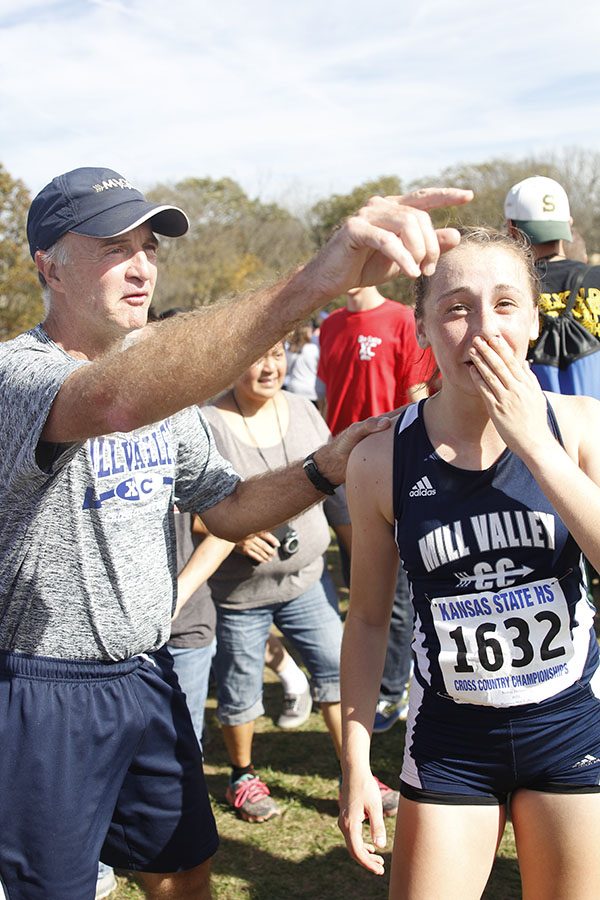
x,y
288,541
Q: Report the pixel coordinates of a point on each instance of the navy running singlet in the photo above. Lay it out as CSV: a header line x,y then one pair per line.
x,y
502,616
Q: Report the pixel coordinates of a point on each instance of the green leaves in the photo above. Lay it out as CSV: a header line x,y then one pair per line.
x,y
236,242
20,296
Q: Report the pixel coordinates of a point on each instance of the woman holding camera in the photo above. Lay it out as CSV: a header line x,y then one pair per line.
x,y
272,577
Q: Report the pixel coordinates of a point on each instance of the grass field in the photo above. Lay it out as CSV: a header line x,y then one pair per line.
x,y
302,854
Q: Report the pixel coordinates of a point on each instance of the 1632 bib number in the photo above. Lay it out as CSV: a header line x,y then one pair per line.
x,y
505,648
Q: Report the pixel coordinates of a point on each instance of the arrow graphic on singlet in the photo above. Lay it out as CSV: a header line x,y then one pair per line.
x,y
501,574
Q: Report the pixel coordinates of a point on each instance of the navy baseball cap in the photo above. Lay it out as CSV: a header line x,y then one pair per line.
x,y
98,203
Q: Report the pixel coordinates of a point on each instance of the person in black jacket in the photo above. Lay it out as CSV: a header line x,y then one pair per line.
x,y
565,358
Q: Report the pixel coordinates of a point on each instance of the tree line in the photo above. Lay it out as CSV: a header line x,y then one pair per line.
x,y
236,242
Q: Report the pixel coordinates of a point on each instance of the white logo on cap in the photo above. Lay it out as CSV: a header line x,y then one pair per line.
x,y
112,183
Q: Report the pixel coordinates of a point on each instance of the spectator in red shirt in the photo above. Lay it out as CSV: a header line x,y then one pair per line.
x,y
370,363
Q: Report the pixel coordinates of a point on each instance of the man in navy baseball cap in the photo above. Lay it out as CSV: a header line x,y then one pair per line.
x,y
97,203
101,437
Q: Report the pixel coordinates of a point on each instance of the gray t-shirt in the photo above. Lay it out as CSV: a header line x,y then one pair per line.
x,y
87,544
238,583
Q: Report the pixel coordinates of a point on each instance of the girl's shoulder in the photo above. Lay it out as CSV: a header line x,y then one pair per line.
x,y
373,456
578,419
570,408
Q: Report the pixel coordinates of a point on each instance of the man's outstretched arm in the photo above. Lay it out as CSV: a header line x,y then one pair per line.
x,y
262,502
189,358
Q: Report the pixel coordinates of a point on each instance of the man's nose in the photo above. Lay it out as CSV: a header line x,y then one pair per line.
x,y
140,265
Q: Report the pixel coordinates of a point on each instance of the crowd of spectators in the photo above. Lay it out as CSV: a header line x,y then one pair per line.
x,y
243,595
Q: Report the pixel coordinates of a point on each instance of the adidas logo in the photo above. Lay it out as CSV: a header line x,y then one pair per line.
x,y
588,760
423,488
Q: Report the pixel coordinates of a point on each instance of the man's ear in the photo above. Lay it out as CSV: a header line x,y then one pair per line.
x,y
48,270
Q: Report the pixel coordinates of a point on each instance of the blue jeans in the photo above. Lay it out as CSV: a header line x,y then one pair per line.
x,y
309,621
330,589
192,667
396,671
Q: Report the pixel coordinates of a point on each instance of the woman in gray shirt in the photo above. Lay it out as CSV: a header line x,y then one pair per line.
x,y
271,577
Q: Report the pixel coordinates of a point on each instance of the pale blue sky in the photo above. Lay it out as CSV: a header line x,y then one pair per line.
x,y
297,99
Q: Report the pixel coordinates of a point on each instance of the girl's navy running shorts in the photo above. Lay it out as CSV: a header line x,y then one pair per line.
x,y
465,754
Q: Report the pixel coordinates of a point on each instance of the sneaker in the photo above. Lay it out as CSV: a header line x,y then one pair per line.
x,y
251,798
389,798
387,714
296,709
106,882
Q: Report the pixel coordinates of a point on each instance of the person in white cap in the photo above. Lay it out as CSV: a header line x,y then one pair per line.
x,y
100,439
565,357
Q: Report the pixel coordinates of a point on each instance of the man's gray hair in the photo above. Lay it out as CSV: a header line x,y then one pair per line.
x,y
57,253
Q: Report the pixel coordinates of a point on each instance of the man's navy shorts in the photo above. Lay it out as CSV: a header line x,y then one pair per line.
x,y
480,755
98,760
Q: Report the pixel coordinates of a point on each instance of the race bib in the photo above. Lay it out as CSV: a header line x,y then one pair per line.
x,y
506,648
